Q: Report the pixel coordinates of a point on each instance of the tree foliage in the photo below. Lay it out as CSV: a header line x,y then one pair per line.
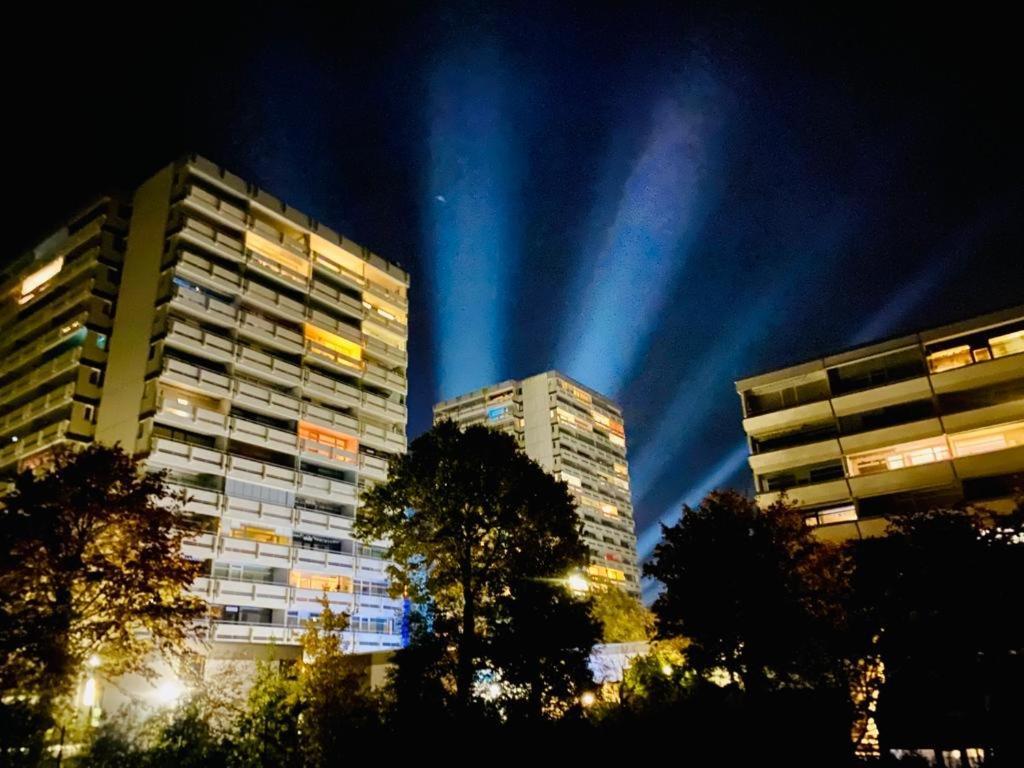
x,y
624,619
754,592
469,519
90,566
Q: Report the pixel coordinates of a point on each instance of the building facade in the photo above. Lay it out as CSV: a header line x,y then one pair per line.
x,y
918,421
577,435
248,350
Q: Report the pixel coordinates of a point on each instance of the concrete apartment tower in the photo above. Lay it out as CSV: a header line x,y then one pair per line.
x,y
918,421
577,435
246,348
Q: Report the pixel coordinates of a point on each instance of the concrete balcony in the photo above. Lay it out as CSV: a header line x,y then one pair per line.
x,y
935,475
809,413
260,512
334,359
196,341
316,414
266,401
267,367
1010,368
252,433
390,328
200,501
880,397
261,473
1003,413
321,523
190,458
196,269
46,403
195,378
336,299
32,443
269,333
395,300
373,467
204,308
246,593
334,391
80,295
215,208
231,549
381,377
387,354
260,634
326,488
796,456
267,300
881,438
198,233
310,600
335,325
382,439
201,547
275,270
809,495
192,418
987,464
329,455
61,366
346,276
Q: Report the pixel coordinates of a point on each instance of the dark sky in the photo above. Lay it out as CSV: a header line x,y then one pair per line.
x,y
656,199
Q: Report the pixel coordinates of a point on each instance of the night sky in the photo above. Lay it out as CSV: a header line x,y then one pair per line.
x,y
655,200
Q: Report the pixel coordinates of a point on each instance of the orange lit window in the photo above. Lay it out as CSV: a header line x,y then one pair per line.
x,y
330,440
1007,344
40,276
603,572
899,456
334,342
320,582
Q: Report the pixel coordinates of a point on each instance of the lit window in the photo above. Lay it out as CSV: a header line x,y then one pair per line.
x,y
333,343
319,582
988,440
1007,344
41,276
898,456
329,443
276,257
572,480
957,357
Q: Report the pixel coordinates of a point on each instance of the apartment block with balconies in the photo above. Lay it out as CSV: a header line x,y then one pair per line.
x,y
577,435
260,359
919,421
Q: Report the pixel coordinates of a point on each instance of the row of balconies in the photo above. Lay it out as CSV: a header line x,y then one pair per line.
x,y
46,403
202,501
288,598
194,458
236,632
45,438
94,310
231,549
57,367
937,474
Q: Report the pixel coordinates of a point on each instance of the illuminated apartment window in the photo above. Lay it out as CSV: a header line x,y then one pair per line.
x,y
616,440
254,533
328,443
898,456
988,440
1007,344
319,582
572,480
41,276
944,360
277,258
604,572
334,347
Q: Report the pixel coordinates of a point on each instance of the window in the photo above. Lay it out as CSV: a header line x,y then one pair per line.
x,y
41,276
1007,344
988,440
946,359
899,456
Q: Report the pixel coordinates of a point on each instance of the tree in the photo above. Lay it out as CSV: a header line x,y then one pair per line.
x,y
755,593
540,646
91,567
468,518
938,597
266,732
624,619
332,688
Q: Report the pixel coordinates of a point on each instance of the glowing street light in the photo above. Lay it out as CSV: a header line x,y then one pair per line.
x,y
588,699
169,691
578,582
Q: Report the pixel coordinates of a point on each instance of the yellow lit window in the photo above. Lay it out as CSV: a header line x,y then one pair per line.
x,y
337,258
616,440
899,456
1007,344
320,582
988,440
334,342
572,479
957,357
254,533
603,572
610,510
41,275
278,255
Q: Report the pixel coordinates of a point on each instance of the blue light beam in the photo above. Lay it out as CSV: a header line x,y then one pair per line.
x,y
643,251
473,172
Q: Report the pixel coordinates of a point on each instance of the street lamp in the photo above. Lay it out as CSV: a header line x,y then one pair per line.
x,y
578,582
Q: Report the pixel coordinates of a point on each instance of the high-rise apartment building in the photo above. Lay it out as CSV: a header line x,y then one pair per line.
x,y
918,421
250,351
577,435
